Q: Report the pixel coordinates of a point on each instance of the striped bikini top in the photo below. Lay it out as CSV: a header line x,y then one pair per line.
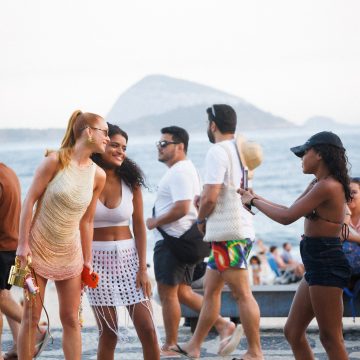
x,y
119,216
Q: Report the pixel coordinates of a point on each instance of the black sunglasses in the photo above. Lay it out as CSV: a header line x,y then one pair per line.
x,y
163,144
355,179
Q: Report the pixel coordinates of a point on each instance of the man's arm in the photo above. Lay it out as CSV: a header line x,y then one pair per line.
x,y
176,212
208,200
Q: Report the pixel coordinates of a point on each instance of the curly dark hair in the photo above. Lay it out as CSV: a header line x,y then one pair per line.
x,y
337,163
129,171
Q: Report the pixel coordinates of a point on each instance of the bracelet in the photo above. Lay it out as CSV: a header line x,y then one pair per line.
x,y
199,222
252,201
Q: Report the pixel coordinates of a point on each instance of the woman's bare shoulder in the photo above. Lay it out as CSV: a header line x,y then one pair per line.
x,y
100,175
51,162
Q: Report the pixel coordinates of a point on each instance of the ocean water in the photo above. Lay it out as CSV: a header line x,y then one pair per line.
x,y
279,178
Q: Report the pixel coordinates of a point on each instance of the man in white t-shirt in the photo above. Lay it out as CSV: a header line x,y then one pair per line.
x,y
174,212
228,259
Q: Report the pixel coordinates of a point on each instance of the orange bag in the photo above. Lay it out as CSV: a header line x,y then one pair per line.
x,y
91,280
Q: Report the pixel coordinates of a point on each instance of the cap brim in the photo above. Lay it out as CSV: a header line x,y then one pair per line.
x,y
299,150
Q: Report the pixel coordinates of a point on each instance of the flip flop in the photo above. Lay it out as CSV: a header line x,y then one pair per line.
x,y
231,342
169,354
183,352
41,345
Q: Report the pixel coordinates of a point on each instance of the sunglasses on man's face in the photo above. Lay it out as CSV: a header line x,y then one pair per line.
x,y
163,143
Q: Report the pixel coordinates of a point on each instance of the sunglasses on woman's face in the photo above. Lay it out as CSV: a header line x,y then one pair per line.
x,y
163,143
104,131
355,179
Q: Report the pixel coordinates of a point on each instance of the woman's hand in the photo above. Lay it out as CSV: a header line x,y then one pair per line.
x,y
23,252
88,264
142,280
246,196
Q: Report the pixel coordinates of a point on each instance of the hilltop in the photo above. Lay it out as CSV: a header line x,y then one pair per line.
x,y
158,100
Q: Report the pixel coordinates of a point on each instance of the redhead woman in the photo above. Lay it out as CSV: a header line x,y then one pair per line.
x,y
327,271
119,256
58,234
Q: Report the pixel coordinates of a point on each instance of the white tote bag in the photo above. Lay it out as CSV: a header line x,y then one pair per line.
x,y
226,221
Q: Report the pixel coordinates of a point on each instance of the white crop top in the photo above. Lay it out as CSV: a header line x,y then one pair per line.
x,y
119,216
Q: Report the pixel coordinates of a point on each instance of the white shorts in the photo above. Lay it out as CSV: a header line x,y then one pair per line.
x,y
117,264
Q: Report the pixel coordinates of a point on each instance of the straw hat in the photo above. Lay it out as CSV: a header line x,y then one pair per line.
x,y
251,153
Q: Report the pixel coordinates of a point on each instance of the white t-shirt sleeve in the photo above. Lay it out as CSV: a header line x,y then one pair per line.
x,y
181,187
216,164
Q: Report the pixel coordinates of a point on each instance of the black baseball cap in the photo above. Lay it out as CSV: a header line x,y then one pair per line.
x,y
321,138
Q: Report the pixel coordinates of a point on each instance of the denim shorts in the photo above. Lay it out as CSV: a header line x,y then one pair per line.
x,y
324,261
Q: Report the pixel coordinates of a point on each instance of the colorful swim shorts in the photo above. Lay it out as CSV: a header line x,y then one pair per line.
x,y
229,254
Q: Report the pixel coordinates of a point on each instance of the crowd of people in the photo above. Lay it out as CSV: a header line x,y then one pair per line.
x,y
84,212
269,266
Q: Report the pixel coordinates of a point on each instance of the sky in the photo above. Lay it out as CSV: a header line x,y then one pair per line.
x,y
295,59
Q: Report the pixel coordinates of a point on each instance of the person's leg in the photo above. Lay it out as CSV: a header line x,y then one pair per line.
x,y
194,301
209,313
13,312
238,281
14,328
171,312
141,315
107,322
9,306
327,303
69,292
29,322
300,315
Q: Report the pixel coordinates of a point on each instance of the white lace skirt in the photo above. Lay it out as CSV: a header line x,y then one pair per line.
x,y
117,263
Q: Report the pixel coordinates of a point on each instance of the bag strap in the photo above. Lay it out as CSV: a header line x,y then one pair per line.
x,y
231,163
158,228
243,165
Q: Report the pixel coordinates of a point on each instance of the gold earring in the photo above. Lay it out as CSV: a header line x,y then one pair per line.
x,y
90,140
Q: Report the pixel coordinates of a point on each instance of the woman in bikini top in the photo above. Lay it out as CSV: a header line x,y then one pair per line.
x,y
320,293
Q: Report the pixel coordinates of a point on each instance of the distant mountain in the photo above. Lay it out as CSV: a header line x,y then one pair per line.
x,y
29,135
321,122
157,101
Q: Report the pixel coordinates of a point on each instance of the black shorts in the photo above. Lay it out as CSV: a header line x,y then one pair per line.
x,y
324,261
7,259
169,270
